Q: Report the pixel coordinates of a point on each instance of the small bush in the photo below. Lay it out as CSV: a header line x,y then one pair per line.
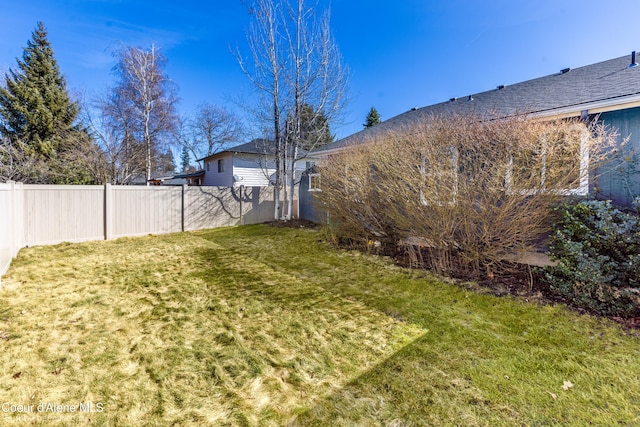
x,y
597,247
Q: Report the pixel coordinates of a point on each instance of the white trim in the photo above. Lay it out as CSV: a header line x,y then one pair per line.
x,y
317,187
583,186
594,107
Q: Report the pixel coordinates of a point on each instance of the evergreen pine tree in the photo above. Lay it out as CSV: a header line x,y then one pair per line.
x,y
35,107
314,129
185,159
373,118
164,163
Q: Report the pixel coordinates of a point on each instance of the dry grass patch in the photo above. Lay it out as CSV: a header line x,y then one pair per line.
x,y
264,326
178,328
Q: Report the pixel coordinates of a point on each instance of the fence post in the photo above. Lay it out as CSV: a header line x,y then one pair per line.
x,y
17,190
241,197
12,221
108,212
15,214
183,207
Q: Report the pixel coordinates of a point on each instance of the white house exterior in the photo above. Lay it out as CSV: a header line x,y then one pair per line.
x,y
251,164
248,164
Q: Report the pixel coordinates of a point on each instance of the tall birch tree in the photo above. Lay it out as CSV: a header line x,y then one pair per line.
x,y
265,71
147,93
294,63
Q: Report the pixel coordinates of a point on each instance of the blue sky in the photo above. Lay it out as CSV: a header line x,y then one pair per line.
x,y
402,54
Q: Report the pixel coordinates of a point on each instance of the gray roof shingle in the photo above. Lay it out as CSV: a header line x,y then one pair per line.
x,y
567,89
256,146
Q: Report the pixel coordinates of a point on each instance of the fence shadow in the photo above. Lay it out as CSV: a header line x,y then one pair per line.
x,y
210,207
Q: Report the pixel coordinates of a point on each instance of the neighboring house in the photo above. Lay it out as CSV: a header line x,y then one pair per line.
x,y
608,92
191,178
250,164
168,180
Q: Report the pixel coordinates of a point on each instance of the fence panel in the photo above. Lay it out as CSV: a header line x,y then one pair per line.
x,y
63,213
8,207
258,205
51,214
137,211
211,207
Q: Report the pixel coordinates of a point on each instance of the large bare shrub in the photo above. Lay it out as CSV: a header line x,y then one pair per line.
x,y
460,193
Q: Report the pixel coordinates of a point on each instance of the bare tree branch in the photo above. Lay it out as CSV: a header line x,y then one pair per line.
x,y
295,63
148,98
209,131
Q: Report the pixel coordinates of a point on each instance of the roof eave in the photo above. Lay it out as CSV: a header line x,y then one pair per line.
x,y
593,107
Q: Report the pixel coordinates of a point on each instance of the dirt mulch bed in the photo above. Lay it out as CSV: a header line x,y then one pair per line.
x,y
293,223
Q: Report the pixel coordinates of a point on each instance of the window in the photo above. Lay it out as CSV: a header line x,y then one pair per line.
x,y
314,182
559,160
556,163
439,180
220,165
208,166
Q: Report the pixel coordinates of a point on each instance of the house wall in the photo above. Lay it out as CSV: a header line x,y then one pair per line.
x,y
211,175
619,179
253,169
253,176
308,208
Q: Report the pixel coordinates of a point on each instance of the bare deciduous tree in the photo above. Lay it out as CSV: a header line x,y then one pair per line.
x,y
19,163
112,124
316,77
211,129
149,94
265,71
294,63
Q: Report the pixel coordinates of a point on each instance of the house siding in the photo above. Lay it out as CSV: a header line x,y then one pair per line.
x,y
253,169
212,177
252,161
621,184
253,177
307,207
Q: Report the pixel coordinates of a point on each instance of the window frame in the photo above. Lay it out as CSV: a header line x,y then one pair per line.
x,y
583,186
317,186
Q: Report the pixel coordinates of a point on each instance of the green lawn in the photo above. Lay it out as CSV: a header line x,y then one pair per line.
x,y
269,326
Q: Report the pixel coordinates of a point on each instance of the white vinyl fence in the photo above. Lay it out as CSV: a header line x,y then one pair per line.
x,y
11,223
50,214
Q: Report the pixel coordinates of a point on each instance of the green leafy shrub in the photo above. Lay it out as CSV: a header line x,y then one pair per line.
x,y
597,247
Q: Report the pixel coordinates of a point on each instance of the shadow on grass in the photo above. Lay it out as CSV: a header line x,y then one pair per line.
x,y
478,359
303,341
414,386
406,384
450,376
